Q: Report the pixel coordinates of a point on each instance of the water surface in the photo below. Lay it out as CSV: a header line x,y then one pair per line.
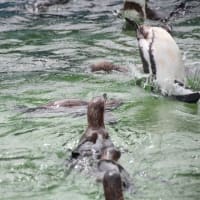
x,y
45,58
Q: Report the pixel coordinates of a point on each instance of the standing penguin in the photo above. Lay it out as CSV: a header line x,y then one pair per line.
x,y
162,60
139,10
134,9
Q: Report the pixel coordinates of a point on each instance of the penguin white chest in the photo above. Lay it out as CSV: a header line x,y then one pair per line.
x,y
162,55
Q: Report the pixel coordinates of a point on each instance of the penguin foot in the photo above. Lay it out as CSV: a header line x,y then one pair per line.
x,y
181,93
188,98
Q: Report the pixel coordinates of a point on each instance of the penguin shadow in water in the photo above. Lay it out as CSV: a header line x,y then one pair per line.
x,y
139,10
95,154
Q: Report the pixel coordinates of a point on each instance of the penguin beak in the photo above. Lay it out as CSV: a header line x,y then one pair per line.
x,y
133,23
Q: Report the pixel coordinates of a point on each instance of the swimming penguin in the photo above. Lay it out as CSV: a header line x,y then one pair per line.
x,y
162,60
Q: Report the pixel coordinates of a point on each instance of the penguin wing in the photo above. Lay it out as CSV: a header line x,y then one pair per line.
x,y
144,53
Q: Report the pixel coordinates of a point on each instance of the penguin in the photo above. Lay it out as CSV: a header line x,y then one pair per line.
x,y
134,9
139,10
162,60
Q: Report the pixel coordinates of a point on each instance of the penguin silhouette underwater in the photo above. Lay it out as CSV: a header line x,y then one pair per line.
x,y
162,60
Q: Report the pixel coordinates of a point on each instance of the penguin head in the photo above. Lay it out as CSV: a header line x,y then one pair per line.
x,y
135,9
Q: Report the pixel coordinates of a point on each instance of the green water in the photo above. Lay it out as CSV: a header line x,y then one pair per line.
x,y
46,58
